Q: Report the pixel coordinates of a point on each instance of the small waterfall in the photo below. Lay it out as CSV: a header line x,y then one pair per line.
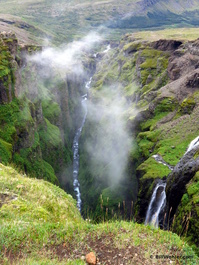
x,y
76,184
158,199
107,48
193,144
156,205
160,160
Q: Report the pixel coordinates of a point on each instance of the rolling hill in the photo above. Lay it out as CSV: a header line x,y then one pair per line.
x,y
61,21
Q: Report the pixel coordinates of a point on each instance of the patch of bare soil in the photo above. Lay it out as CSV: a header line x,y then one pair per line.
x,y
105,251
105,248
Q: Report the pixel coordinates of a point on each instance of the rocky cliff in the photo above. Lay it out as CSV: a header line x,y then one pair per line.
x,y
160,83
38,114
155,84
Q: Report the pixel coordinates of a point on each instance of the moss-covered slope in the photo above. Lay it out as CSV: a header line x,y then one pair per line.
x,y
39,113
40,224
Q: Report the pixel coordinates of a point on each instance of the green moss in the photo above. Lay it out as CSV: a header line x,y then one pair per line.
x,y
166,105
171,149
154,65
152,169
130,89
5,151
51,144
149,52
128,65
187,106
185,199
146,141
150,63
189,210
50,134
6,67
51,110
36,142
8,133
34,166
132,47
15,120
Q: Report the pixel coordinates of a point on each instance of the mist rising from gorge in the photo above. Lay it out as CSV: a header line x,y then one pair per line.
x,y
67,58
111,143
109,152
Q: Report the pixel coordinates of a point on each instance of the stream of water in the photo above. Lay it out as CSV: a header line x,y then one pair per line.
x,y
76,184
193,144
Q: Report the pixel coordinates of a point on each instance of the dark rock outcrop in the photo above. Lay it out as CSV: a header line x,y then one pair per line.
x,y
166,45
183,172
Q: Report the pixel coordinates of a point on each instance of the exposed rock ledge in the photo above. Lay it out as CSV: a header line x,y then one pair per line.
x,y
183,172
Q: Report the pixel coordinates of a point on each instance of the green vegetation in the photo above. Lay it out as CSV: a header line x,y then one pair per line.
x,y
51,110
152,169
188,211
62,22
27,138
7,69
40,224
34,133
169,34
16,130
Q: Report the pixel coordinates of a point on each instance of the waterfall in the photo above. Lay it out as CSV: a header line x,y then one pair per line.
x,y
158,199
156,205
193,144
107,48
76,184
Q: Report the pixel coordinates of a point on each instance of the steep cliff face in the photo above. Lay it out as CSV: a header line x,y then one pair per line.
x,y
159,80
38,114
144,93
166,131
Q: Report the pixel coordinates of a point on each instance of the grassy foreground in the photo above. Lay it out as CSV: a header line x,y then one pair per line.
x,y
39,224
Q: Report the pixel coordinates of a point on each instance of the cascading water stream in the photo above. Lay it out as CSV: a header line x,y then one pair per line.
x,y
156,205
76,184
193,144
158,199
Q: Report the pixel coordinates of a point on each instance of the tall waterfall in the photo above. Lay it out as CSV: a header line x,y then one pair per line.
x,y
156,205
76,184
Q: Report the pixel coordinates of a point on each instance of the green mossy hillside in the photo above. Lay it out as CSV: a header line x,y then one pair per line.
x,y
40,224
37,114
20,142
33,200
